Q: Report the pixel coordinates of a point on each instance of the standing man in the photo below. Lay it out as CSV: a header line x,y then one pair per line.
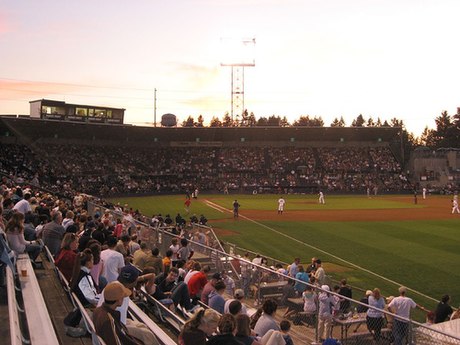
x,y
293,268
236,208
321,198
455,205
401,306
424,193
113,260
320,274
281,203
187,205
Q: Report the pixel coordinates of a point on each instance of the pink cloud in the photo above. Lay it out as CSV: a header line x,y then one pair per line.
x,y
19,89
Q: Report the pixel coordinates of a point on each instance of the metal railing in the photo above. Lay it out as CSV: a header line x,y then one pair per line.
x,y
260,283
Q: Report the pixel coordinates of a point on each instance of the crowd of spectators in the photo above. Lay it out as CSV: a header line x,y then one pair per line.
x,y
107,171
96,252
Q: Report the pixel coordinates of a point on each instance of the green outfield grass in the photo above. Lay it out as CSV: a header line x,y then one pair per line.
x,y
424,255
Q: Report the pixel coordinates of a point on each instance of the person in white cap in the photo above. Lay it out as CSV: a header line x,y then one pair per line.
x,y
326,304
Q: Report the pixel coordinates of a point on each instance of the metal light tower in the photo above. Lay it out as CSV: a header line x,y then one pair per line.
x,y
238,55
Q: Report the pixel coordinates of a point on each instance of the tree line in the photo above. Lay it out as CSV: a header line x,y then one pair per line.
x,y
249,120
445,135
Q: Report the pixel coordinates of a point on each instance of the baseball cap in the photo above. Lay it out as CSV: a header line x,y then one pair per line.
x,y
238,293
325,288
115,291
368,292
128,274
217,276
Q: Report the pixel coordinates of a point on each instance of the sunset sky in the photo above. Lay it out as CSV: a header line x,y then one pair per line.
x,y
313,57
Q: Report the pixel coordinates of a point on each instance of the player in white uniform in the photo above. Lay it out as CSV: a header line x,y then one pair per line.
x,y
424,193
321,198
281,203
455,206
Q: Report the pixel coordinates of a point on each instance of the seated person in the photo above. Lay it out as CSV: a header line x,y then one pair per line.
x,y
216,300
168,291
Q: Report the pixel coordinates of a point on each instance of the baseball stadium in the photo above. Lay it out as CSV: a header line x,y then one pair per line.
x,y
255,205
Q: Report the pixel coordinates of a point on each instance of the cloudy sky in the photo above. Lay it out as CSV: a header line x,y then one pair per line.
x,y
313,57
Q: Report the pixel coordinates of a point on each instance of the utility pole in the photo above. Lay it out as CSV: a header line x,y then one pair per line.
x,y
155,108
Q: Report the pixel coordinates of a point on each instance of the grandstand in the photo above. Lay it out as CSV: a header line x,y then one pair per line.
x,y
106,160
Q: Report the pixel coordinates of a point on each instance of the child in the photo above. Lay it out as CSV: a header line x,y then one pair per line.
x,y
285,326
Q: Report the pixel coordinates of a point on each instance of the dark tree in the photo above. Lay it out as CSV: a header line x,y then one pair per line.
x,y
215,122
358,122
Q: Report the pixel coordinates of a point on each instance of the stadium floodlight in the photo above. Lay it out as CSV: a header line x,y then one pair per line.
x,y
237,54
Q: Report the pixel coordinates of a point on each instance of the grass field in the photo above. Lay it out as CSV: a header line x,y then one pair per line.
x,y
379,242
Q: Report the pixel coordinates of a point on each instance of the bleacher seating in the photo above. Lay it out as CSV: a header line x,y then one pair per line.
x,y
40,326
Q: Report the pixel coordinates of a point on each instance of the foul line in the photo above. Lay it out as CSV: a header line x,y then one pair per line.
x,y
222,209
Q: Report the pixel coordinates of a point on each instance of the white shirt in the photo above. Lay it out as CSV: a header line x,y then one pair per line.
x,y
402,306
189,275
22,206
244,310
281,203
113,263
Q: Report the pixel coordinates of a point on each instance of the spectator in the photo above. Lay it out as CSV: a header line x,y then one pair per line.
x,y
310,305
210,287
155,261
168,290
401,306
68,220
320,275
129,278
293,268
227,327
82,283
443,310
198,281
345,291
229,283
243,331
53,232
285,327
123,245
237,296
141,257
216,299
15,234
375,317
235,308
65,259
184,252
175,248
201,326
430,316
167,262
23,205
107,319
98,265
113,261
326,304
267,320
365,300
302,276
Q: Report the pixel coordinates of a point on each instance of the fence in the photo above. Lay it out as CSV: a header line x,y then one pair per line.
x,y
350,325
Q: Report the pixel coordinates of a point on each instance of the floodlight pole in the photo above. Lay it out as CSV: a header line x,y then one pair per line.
x,y
237,82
